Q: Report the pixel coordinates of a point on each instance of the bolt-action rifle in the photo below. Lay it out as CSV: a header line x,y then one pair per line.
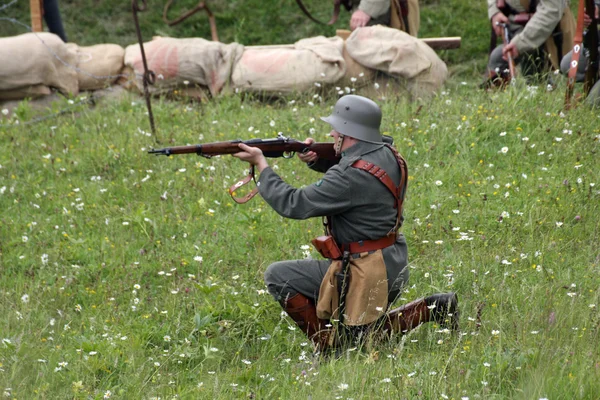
x,y
272,148
506,42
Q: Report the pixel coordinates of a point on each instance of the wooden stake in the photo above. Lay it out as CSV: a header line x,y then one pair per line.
x,y
36,15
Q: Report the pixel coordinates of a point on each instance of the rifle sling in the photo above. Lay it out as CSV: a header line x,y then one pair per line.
x,y
239,184
334,17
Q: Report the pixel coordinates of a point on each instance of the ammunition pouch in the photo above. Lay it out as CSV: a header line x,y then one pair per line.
x,y
327,247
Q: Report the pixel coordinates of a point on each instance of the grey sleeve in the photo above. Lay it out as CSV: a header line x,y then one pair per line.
x,y
539,28
492,8
328,196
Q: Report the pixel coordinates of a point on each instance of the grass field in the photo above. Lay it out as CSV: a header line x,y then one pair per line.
x,y
126,275
135,276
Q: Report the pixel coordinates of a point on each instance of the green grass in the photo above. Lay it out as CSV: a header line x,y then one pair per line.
x,y
136,276
86,216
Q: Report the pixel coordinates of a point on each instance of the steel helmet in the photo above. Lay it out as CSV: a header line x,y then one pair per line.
x,y
357,117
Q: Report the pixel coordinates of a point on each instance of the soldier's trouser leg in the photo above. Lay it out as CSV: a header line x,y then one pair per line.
x,y
285,279
565,65
53,20
441,308
295,285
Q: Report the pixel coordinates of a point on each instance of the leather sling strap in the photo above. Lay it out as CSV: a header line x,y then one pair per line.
x,y
578,40
239,184
334,17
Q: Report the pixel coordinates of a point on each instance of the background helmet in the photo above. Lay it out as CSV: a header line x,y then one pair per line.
x,y
357,117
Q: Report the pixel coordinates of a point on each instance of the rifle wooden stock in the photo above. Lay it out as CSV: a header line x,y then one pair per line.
x,y
273,148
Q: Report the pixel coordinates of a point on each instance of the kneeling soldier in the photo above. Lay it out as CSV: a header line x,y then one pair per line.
x,y
360,199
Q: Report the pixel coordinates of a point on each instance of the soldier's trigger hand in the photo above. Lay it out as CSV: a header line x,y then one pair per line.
x,y
498,19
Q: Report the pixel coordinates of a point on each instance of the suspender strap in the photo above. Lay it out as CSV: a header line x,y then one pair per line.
x,y
380,174
397,191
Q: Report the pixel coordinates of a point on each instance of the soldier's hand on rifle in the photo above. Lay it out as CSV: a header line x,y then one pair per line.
x,y
309,156
359,19
253,155
510,49
498,19
586,18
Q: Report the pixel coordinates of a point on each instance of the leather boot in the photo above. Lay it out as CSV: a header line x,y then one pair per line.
x,y
304,314
495,81
441,308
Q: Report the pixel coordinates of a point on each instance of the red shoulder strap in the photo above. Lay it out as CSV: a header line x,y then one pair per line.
x,y
397,191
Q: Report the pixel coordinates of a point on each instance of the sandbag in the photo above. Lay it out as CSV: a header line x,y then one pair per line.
x,y
400,55
191,60
290,68
27,92
356,74
98,66
35,59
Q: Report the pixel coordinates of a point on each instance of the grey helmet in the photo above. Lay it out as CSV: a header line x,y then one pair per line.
x,y
357,117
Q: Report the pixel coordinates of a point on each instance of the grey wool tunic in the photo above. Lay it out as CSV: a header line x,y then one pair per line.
x,y
358,205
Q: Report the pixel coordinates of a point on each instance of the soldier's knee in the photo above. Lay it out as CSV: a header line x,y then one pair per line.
x,y
271,274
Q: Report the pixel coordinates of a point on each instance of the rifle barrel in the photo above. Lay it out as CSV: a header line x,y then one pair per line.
x,y
270,147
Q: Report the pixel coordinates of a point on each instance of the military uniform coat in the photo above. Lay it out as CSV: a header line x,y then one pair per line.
x,y
360,207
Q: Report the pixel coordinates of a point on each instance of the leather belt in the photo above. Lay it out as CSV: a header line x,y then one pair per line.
x,y
363,246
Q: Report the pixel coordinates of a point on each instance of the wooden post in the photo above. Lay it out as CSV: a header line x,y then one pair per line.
x,y
36,15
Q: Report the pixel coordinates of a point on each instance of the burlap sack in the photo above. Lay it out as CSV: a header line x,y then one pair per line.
x,y
356,74
192,60
98,66
290,68
35,59
28,92
404,57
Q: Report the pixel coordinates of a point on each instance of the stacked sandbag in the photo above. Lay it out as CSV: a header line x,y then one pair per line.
x,y
33,63
404,57
290,68
98,66
184,62
356,74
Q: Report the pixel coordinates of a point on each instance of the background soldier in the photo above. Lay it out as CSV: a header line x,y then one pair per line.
x,y
361,196
536,27
399,14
